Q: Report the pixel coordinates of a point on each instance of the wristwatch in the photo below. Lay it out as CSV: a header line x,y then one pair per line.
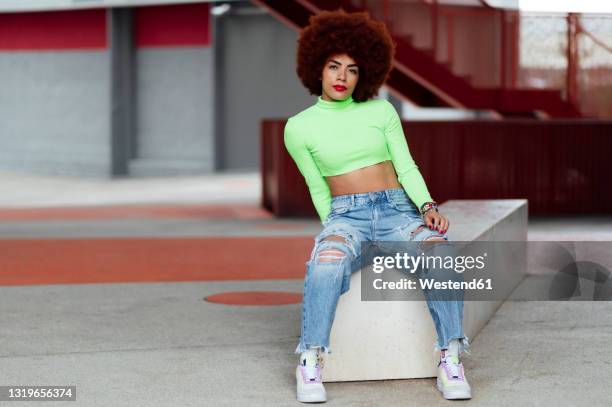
x,y
427,206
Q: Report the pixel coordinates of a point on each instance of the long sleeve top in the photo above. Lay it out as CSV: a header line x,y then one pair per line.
x,y
335,137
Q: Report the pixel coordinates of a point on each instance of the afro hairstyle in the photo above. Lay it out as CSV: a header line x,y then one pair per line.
x,y
365,40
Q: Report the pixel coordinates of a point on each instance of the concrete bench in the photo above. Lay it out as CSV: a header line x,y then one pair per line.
x,y
376,340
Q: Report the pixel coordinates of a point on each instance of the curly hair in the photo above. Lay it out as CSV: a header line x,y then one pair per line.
x,y
336,32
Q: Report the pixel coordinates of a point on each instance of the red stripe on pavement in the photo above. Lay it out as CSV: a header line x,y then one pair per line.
x,y
227,211
81,261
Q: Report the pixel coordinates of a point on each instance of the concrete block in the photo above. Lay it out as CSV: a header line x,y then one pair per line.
x,y
377,340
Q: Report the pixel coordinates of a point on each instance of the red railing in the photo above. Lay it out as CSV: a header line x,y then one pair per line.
x,y
571,52
594,65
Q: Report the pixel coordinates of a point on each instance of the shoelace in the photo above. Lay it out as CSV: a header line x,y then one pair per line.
x,y
320,360
311,371
454,365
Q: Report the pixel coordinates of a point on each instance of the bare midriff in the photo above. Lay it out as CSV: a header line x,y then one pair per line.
x,y
372,178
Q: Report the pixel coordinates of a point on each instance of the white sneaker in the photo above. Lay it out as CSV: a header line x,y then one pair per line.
x,y
451,379
310,387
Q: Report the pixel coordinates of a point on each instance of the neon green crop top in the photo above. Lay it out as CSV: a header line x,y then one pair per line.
x,y
336,137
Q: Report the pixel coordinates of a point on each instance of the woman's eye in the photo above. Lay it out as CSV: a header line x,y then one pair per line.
x,y
354,71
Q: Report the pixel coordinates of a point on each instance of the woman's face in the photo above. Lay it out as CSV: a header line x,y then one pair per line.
x,y
339,77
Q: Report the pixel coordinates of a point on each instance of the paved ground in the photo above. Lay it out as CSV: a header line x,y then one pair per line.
x,y
102,286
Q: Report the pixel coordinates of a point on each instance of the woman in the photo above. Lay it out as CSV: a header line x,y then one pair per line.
x,y
364,184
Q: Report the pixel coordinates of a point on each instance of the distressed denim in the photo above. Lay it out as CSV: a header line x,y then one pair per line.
x,y
387,215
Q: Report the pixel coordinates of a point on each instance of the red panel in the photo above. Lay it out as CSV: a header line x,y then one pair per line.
x,y
51,30
175,25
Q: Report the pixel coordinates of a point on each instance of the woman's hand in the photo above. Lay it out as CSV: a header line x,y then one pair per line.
x,y
434,220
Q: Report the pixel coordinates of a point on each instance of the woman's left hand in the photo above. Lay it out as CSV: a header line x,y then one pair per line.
x,y
434,220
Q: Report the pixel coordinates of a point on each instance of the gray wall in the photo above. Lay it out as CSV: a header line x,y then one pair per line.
x,y
256,79
54,112
196,109
174,125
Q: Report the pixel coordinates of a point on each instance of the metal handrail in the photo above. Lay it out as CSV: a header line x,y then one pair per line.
x,y
593,37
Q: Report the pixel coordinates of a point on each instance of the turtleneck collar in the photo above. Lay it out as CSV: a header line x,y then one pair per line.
x,y
337,104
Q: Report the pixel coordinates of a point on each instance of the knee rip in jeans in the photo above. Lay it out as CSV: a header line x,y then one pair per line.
x,y
431,240
332,254
428,239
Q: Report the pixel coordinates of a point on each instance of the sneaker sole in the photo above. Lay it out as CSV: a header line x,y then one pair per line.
x,y
453,394
314,396
311,398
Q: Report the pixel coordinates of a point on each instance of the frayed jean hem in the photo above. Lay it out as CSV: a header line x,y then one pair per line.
x,y
464,345
303,347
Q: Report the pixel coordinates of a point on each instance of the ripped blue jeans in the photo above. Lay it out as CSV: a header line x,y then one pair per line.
x,y
387,215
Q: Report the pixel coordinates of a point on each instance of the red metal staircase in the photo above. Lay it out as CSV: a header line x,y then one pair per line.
x,y
426,68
